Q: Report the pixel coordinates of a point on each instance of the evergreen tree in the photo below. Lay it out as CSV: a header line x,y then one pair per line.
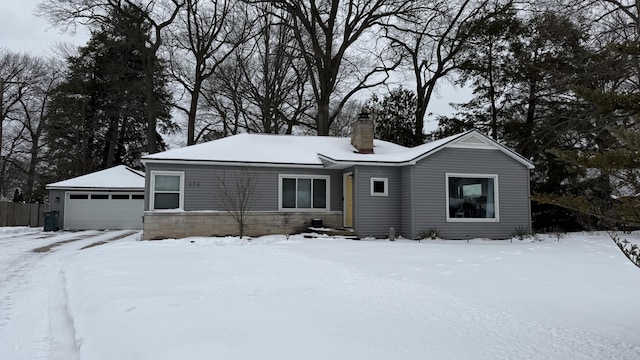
x,y
484,64
98,117
610,168
394,116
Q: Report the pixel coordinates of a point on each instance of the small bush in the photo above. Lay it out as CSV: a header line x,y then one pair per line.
x,y
521,233
429,234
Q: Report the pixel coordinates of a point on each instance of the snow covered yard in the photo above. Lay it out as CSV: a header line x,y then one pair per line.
x,y
298,298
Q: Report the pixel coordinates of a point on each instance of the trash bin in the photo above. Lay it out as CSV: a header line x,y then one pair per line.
x,y
50,220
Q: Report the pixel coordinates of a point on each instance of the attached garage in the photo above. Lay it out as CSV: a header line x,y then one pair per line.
x,y
106,199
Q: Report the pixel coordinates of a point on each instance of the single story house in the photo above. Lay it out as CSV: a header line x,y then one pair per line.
x,y
466,185
108,199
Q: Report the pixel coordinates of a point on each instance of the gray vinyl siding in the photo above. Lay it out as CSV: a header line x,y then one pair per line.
x,y
202,184
429,193
57,205
374,215
406,201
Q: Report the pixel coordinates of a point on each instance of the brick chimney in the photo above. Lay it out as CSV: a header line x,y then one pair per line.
x,y
362,134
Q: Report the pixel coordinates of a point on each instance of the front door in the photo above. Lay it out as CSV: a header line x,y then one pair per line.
x,y
348,199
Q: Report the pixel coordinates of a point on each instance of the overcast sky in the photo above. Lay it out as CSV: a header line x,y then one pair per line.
x,y
21,30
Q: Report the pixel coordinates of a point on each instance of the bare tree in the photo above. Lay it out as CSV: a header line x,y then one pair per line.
x,y
158,13
430,41
326,32
238,193
274,75
18,73
223,96
208,33
342,124
14,69
35,104
619,23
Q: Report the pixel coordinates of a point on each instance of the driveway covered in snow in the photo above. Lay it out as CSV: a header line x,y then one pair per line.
x,y
298,298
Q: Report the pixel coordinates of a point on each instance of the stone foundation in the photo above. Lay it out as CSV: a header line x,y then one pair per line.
x,y
163,225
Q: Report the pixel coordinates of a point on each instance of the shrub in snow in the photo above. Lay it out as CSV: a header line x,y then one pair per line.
x,y
432,234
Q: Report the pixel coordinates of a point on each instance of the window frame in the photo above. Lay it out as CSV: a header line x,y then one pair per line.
x,y
152,186
326,178
386,186
496,196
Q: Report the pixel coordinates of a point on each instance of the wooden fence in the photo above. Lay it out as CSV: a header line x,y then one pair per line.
x,y
19,214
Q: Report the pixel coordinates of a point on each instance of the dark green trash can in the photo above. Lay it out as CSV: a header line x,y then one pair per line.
x,y
50,220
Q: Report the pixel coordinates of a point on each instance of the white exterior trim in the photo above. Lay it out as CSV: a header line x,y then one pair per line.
x,y
152,185
231,163
344,197
386,186
496,196
327,179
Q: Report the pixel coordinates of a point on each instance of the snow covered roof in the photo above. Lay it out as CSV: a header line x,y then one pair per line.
x,y
317,151
118,177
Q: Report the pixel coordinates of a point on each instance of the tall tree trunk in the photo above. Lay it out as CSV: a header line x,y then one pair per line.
x,y
527,142
421,102
31,172
322,119
492,95
193,109
423,96
152,146
112,139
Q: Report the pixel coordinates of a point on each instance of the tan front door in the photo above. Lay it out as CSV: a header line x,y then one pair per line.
x,y
348,199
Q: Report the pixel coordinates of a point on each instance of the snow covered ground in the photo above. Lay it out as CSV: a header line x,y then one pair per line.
x,y
299,298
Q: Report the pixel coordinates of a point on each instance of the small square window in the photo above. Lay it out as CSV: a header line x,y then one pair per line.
x,y
379,187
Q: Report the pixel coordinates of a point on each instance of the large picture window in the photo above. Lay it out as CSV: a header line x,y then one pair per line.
x,y
301,192
472,197
167,190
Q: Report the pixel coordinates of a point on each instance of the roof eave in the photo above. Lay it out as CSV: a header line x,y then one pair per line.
x,y
342,164
93,188
231,163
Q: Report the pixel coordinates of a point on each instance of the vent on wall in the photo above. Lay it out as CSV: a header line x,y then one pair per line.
x,y
474,142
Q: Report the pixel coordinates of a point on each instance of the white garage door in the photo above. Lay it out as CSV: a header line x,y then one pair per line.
x,y
103,211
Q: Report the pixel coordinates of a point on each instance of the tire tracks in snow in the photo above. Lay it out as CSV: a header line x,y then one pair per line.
x,y
27,286
25,259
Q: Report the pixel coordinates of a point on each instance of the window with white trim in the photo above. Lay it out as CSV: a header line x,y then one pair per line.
x,y
167,190
472,197
304,192
379,187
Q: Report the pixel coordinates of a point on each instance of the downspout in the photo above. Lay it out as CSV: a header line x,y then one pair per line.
x,y
354,198
412,202
529,198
